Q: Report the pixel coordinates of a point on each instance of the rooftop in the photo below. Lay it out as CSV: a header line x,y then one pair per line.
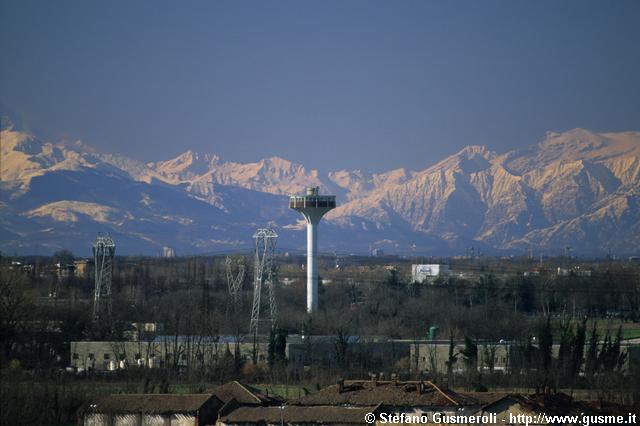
x,y
149,403
389,393
551,404
244,394
299,415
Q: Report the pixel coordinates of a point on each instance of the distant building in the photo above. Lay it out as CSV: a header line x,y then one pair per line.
x,y
377,252
287,281
420,273
18,266
66,271
181,352
81,267
576,270
144,331
430,357
178,352
168,252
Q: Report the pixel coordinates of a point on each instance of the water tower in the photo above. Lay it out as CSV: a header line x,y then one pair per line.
x,y
312,206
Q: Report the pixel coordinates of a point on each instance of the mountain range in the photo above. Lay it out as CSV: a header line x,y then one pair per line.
x,y
577,189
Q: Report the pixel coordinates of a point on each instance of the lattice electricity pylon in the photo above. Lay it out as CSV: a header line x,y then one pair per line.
x,y
103,252
235,268
264,274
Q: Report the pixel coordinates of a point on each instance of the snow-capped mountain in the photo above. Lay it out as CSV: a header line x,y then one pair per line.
x,y
576,188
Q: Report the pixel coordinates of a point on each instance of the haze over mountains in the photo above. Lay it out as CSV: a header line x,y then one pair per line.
x,y
577,188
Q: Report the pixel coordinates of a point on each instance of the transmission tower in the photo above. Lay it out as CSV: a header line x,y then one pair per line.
x,y
103,251
234,268
264,274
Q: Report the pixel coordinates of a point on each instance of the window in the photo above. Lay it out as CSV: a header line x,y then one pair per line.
x,y
91,356
75,355
137,356
106,356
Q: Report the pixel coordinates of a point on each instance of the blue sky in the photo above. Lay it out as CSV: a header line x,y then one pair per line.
x,y
331,84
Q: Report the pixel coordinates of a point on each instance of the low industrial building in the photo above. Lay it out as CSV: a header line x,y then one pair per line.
x,y
183,351
429,357
360,353
178,352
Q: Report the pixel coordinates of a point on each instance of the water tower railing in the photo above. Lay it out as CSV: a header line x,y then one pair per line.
x,y
323,201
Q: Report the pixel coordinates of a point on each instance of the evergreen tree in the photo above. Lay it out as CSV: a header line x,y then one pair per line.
x,y
565,352
470,357
577,355
545,344
591,363
452,359
277,347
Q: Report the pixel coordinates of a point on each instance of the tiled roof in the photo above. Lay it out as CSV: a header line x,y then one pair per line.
x,y
244,394
400,394
149,403
299,414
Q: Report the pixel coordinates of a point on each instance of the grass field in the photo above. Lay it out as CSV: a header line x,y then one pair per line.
x,y
285,391
630,330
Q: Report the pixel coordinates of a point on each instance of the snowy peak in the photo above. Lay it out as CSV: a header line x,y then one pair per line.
x,y
273,175
186,166
25,157
470,159
574,145
358,184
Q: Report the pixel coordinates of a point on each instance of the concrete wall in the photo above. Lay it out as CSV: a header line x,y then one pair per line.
x,y
432,357
139,419
382,355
